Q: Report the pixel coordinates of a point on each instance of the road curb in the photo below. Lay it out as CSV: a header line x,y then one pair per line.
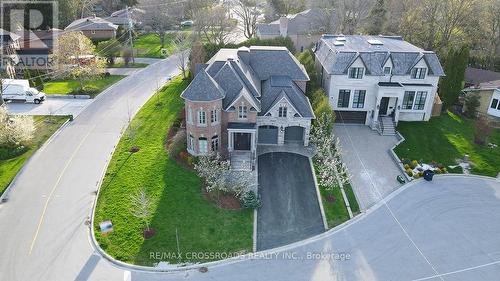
x,y
81,97
4,197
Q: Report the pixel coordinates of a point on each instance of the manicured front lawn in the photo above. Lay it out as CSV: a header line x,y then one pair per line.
x,y
130,65
45,127
71,86
334,206
446,138
149,45
176,194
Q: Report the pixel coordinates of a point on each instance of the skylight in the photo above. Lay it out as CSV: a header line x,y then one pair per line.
x,y
375,42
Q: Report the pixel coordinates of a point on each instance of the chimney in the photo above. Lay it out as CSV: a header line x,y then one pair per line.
x,y
244,54
283,26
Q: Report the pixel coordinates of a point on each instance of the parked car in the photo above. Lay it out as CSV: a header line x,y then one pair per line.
x,y
187,23
18,89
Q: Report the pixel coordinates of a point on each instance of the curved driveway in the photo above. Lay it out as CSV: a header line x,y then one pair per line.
x,y
42,230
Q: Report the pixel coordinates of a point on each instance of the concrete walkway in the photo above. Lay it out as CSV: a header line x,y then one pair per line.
x,y
52,106
366,154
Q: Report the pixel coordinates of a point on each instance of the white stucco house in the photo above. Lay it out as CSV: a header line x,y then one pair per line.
x,y
377,80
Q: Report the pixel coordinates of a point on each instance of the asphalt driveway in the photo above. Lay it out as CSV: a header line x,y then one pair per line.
x,y
290,210
366,154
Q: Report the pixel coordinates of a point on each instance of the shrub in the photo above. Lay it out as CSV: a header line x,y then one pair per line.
x,y
482,129
90,90
413,164
471,103
444,170
250,200
438,171
405,161
406,166
416,176
409,172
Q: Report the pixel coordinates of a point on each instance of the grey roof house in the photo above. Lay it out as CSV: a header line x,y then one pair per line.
x,y
304,28
377,80
95,28
247,97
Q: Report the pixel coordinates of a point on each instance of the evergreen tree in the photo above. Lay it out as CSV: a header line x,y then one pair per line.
x,y
453,82
377,18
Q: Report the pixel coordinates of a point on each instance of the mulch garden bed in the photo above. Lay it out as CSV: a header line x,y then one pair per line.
x,y
226,201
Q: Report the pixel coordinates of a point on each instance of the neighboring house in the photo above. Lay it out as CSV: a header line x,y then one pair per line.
x,y
304,28
489,97
245,97
9,45
369,77
126,16
476,76
34,52
94,27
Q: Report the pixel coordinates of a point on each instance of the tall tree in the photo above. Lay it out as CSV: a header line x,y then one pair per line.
x,y
197,57
283,8
214,24
247,12
375,22
453,82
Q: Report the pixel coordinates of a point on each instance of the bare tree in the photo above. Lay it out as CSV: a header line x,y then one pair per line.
x,y
161,21
247,12
181,48
351,13
214,24
140,206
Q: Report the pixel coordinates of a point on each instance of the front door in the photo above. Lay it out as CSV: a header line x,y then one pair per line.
x,y
242,141
384,103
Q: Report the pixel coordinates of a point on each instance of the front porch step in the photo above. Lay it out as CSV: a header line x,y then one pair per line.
x,y
387,127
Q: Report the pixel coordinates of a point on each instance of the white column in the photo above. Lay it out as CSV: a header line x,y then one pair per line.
x,y
230,141
252,144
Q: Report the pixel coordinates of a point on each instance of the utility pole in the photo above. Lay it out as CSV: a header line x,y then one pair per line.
x,y
130,27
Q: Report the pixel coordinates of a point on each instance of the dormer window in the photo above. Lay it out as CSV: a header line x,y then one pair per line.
x,y
356,72
242,112
418,73
387,70
282,111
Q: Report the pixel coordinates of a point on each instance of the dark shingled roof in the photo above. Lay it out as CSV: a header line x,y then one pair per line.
x,y
203,88
262,75
476,76
337,53
272,94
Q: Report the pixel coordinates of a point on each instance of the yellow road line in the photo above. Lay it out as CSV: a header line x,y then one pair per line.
x,y
55,187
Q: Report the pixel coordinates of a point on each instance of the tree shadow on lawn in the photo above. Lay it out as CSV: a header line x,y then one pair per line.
x,y
201,227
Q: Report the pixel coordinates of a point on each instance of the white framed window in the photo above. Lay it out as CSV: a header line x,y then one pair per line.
x,y
202,145
190,115
214,118
356,72
282,111
420,98
495,104
202,117
215,143
408,99
418,73
358,100
344,96
387,70
242,112
190,144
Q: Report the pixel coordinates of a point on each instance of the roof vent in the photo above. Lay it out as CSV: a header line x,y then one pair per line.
x,y
375,42
341,38
338,43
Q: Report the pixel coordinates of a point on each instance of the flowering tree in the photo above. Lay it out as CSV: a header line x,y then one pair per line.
x,y
214,170
331,170
15,131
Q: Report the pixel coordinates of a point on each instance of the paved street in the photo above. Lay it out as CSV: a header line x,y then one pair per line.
x,y
42,229
52,106
290,209
444,230
366,154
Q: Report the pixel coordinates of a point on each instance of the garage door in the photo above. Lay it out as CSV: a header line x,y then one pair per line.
x,y
268,135
352,117
294,134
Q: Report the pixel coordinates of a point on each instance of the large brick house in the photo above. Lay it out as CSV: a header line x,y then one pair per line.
x,y
95,28
247,97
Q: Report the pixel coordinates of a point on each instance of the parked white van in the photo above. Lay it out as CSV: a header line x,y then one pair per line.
x,y
18,89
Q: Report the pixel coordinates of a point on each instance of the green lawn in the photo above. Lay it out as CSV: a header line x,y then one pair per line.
x,y
335,210
71,86
130,65
446,138
149,45
45,127
176,195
